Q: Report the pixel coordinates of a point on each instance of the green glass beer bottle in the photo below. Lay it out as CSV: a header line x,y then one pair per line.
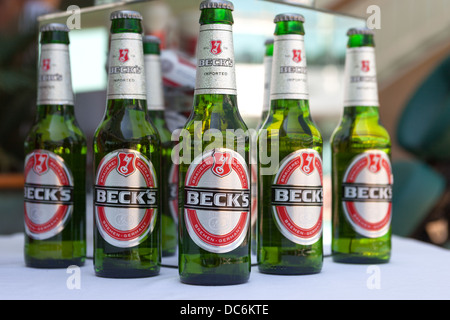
x,y
55,163
267,63
361,168
155,106
214,176
291,194
268,58
127,156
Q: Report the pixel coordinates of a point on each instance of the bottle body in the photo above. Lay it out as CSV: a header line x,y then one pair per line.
x,y
134,252
361,167
279,250
169,178
218,261
127,235
268,58
290,195
59,240
55,164
156,110
214,176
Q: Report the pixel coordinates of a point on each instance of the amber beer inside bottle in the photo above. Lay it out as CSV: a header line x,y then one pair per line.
x,y
223,256
55,164
290,196
127,146
361,170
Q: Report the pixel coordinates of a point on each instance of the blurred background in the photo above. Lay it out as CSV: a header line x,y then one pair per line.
x,y
413,65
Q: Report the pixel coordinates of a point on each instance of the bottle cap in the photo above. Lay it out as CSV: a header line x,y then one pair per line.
x,y
54,27
126,14
268,41
289,17
151,39
217,4
353,31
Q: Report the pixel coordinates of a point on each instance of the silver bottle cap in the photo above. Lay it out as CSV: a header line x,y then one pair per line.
x,y
151,39
353,31
268,41
126,14
217,4
289,17
54,27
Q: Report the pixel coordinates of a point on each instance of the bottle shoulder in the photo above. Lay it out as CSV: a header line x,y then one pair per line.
x,y
57,129
291,127
130,123
122,132
165,134
220,121
362,127
216,111
290,139
114,134
360,135
160,124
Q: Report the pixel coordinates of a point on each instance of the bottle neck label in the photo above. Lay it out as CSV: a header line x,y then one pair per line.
x,y
217,200
360,78
126,71
55,82
297,197
125,198
48,194
289,71
154,83
215,60
367,193
268,60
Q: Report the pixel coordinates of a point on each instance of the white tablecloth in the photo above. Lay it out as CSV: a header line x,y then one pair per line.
x,y
417,271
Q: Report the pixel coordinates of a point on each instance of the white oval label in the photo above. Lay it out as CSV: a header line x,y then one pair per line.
x,y
367,193
217,200
125,198
297,197
48,194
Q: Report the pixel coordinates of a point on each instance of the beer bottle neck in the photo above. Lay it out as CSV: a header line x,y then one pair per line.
x,y
126,25
215,80
360,86
44,111
361,40
268,60
120,107
295,109
126,71
361,114
289,27
210,105
269,50
54,78
216,16
61,37
154,83
289,70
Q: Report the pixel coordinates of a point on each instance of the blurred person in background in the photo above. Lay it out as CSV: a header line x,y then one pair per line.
x,y
18,72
